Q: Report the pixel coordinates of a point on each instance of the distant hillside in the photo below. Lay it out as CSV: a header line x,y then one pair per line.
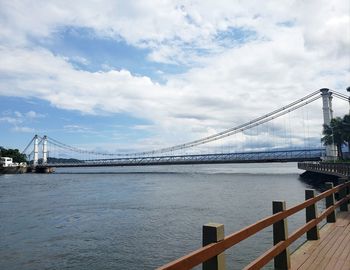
x,y
62,160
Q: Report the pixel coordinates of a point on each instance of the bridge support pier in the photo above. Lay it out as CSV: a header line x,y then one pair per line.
x,y
331,150
45,149
36,151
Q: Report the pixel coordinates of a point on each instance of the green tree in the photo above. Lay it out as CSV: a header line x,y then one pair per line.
x,y
334,133
346,129
14,154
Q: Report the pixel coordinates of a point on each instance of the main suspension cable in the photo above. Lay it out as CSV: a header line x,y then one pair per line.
x,y
256,122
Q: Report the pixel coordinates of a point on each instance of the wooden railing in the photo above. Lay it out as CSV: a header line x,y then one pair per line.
x,y
337,169
211,255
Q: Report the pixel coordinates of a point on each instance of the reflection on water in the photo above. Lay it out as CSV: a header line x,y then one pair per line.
x,y
137,218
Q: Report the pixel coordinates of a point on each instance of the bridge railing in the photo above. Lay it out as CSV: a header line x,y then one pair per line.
x,y
211,255
239,157
338,169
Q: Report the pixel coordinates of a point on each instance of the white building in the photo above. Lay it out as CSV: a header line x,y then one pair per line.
x,y
6,162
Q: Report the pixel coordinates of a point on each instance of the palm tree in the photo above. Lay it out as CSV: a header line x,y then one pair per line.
x,y
346,130
334,134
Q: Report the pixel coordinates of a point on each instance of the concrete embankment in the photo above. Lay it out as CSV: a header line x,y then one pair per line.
x,y
318,179
41,169
13,170
317,173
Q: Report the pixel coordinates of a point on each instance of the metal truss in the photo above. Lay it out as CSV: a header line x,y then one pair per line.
x,y
242,157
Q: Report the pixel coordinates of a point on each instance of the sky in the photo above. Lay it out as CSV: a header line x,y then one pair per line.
x,y
120,76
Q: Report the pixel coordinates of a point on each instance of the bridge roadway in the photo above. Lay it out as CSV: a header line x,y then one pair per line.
x,y
298,155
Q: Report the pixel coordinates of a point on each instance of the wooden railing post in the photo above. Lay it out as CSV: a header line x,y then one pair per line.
x,y
311,213
329,202
213,233
342,194
280,233
348,188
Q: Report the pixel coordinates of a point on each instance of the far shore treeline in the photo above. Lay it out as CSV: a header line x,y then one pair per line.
x,y
14,154
17,157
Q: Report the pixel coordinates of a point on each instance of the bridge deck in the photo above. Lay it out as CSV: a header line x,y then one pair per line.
x,y
332,251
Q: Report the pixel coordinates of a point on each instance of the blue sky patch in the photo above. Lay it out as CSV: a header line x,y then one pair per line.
x,y
87,51
290,23
35,116
234,36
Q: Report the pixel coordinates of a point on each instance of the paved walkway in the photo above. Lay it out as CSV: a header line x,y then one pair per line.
x,y
331,252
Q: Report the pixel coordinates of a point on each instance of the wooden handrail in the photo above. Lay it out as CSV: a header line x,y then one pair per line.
x,y
277,249
207,252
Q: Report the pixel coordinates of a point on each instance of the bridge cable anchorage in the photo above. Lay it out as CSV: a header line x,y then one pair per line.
x,y
240,128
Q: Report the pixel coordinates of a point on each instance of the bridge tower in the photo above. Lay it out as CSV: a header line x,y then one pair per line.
x,y
45,149
331,150
36,151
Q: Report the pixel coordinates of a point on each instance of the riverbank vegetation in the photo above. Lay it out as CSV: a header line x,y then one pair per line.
x,y
14,154
338,133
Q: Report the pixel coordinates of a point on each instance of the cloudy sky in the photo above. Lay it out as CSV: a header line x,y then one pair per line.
x,y
113,74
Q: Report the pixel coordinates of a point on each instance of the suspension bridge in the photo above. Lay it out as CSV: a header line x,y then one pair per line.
x,y
229,151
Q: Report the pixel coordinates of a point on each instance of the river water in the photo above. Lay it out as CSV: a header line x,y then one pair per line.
x,y
137,217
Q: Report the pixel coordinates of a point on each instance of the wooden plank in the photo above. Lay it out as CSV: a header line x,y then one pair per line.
x,y
344,219
320,251
332,251
340,249
300,255
343,260
311,248
327,249
346,265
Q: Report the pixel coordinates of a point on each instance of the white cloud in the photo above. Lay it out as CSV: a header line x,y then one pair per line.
x,y
225,86
18,114
33,115
16,120
80,60
143,127
77,128
23,129
10,120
